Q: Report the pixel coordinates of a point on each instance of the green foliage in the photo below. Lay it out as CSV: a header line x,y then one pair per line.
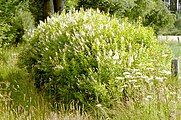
x,y
178,23
83,56
118,7
36,8
70,4
159,17
19,98
15,21
176,30
153,12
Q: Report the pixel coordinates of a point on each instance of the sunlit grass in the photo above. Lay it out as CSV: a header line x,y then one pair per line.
x,y
176,48
19,99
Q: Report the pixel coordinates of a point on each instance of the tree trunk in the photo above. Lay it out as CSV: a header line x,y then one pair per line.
x,y
48,8
58,5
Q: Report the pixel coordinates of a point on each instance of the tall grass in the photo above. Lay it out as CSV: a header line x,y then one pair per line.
x,y
18,97
20,101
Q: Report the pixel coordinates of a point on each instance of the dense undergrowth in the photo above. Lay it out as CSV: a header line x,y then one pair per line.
x,y
20,101
89,66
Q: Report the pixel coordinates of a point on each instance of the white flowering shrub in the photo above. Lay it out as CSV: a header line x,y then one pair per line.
x,y
82,56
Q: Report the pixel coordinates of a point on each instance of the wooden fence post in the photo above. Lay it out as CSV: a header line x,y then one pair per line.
x,y
175,68
178,39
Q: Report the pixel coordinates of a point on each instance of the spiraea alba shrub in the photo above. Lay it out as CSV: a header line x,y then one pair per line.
x,y
83,56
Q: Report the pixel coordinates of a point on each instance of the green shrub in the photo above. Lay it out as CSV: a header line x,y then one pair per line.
x,y
159,17
84,57
15,21
178,23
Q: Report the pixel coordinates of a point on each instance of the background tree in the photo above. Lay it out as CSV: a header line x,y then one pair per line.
x,y
154,13
41,9
17,16
52,6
